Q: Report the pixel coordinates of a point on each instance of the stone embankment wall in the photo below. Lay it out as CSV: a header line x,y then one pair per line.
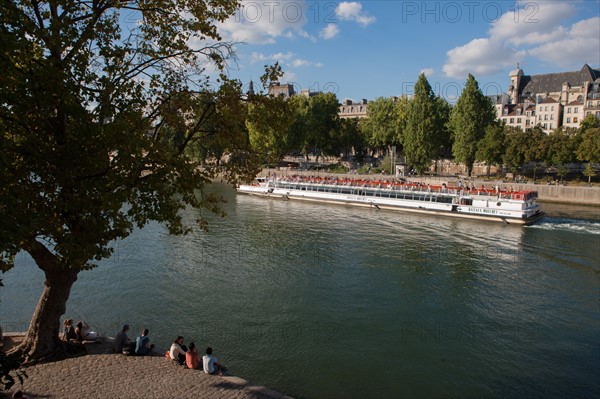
x,y
565,194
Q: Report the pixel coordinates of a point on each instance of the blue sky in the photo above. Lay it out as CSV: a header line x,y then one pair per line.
x,y
368,49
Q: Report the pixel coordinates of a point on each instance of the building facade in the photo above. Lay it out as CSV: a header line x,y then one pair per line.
x,y
350,109
550,100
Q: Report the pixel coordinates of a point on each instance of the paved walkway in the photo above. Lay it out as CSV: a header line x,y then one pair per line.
x,y
101,374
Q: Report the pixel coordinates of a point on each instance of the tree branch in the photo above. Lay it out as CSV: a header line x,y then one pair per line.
x,y
42,256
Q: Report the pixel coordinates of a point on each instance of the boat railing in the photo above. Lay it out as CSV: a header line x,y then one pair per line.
x,y
421,188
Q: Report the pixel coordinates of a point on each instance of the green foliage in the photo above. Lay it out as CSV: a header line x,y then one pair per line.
x,y
589,122
515,147
323,123
490,148
9,365
589,144
560,147
470,117
316,126
10,368
107,125
269,119
351,137
386,165
589,172
385,122
425,132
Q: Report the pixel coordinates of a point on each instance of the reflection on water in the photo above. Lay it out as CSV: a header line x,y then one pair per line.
x,y
334,301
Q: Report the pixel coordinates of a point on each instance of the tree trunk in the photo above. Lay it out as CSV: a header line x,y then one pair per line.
x,y
42,342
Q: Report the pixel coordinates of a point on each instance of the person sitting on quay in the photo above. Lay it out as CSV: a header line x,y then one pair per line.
x,y
192,358
83,333
142,344
69,330
177,351
211,364
122,342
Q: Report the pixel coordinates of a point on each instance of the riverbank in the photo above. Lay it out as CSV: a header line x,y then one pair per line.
x,y
100,373
576,195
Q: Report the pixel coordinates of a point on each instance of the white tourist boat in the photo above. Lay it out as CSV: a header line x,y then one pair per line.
x,y
511,207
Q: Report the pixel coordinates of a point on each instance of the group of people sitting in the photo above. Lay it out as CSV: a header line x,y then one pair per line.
x,y
80,332
189,357
185,356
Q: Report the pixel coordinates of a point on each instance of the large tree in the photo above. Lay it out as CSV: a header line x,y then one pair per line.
x,y
469,118
322,124
384,123
515,148
588,146
560,149
98,119
425,130
491,147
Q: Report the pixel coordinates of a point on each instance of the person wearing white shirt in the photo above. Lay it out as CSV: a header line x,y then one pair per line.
x,y
210,363
177,351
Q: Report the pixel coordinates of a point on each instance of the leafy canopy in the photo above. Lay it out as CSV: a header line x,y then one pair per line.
x,y
108,121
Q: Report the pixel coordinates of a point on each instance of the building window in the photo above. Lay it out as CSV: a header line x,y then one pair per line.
x,y
526,122
598,114
546,117
575,119
545,126
552,108
505,111
569,110
518,120
551,126
568,120
518,111
576,110
512,120
546,108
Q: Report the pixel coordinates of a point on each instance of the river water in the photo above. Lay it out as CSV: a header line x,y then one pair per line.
x,y
324,301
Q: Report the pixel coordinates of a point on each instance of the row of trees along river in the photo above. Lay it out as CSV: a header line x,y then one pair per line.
x,y
108,123
425,128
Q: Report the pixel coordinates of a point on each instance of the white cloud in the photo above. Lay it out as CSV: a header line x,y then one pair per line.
x,y
280,57
289,76
263,22
352,11
299,63
531,29
532,23
580,44
480,57
285,59
427,71
330,31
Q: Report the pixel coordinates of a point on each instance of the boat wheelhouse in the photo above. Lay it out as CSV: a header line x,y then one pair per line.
x,y
512,207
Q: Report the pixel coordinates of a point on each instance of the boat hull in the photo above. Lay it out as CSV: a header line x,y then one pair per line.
x,y
419,207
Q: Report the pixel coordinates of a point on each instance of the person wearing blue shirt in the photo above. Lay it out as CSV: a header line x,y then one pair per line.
x,y
142,344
